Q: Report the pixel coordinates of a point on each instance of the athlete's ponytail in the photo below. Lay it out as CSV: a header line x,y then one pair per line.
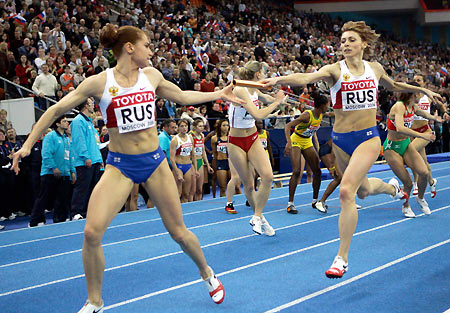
x,y
249,70
114,38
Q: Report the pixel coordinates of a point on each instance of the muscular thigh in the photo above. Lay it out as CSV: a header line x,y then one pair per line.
x,y
312,158
107,198
162,189
257,157
414,160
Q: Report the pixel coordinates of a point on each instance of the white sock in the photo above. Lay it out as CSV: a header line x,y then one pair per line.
x,y
314,200
290,203
228,203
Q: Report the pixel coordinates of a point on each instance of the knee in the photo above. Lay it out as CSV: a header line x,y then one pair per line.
x,y
179,235
296,173
346,193
423,172
92,235
317,172
362,193
266,177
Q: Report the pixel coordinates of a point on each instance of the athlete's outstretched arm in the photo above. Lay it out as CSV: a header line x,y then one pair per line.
x,y
427,115
301,79
89,87
256,113
392,85
172,92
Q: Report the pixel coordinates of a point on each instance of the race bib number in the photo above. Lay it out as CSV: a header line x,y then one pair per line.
x,y
264,142
134,111
222,148
309,132
359,95
198,150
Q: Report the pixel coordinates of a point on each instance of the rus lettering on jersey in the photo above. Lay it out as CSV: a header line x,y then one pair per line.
x,y
359,95
134,111
425,106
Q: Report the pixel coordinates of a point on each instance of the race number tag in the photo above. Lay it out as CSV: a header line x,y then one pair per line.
x,y
309,132
134,111
359,95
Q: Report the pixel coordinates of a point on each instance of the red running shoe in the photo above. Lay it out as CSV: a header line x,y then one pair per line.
x,y
215,288
230,209
337,269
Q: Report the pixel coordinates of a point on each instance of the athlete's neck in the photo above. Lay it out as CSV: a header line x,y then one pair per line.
x,y
355,65
127,73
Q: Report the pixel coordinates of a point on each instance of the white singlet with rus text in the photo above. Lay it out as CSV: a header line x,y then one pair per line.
x,y
238,115
354,93
424,104
128,109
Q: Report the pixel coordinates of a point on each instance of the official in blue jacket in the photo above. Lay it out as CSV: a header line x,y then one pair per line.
x,y
86,157
57,172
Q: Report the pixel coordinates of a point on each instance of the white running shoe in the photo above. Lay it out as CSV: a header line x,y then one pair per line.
x,y
358,207
20,213
320,207
2,227
2,218
77,217
423,205
407,212
12,216
337,269
256,223
215,288
399,193
415,189
90,308
433,188
267,229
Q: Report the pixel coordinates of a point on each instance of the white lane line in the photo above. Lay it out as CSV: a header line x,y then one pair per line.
x,y
358,277
179,252
259,262
192,228
155,219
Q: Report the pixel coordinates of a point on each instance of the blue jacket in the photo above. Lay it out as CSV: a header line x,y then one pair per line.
x,y
164,143
85,141
56,154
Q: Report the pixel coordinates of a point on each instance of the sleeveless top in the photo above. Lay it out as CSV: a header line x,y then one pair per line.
x,y
354,93
263,139
222,146
128,109
308,129
238,115
408,118
184,148
424,104
198,145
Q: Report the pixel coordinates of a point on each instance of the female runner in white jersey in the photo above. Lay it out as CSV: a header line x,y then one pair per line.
x,y
201,159
420,124
126,94
244,147
182,160
398,151
356,142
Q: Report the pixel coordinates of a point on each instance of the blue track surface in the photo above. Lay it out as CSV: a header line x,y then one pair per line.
x,y
395,265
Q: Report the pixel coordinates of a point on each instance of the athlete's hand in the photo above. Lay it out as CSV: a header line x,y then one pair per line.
x,y
180,175
210,169
23,152
288,149
281,97
429,136
268,82
435,97
446,117
439,119
332,171
196,174
228,95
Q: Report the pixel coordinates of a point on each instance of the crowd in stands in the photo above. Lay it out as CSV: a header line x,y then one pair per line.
x,y
51,46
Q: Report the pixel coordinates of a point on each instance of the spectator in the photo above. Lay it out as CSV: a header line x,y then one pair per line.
x,y
56,174
100,66
4,62
190,115
169,128
215,113
28,50
177,80
99,55
161,110
86,157
15,92
4,123
45,85
66,80
207,85
23,70
78,76
41,59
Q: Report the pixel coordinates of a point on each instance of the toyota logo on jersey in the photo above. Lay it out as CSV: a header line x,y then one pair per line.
x,y
359,95
134,111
